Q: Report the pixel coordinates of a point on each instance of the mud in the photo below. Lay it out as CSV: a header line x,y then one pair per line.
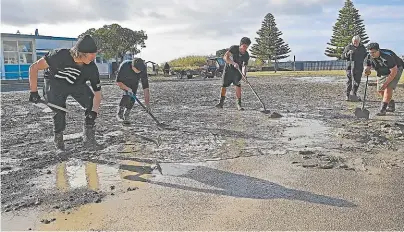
x,y
317,130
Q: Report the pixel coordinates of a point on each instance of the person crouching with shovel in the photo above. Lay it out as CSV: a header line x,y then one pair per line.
x,y
389,70
128,77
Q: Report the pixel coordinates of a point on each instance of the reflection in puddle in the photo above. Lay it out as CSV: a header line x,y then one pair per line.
x,y
75,174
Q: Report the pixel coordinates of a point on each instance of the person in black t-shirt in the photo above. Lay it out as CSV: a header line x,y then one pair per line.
x,y
67,71
236,57
128,77
389,68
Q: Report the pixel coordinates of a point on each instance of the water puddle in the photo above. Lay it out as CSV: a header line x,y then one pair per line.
x,y
302,133
325,79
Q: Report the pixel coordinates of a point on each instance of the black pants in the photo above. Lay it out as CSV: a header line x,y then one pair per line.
x,y
353,85
56,92
127,101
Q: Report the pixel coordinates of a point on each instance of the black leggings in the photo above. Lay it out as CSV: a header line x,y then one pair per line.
x,y
56,92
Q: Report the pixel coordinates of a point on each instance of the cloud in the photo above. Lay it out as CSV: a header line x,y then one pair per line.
x,y
183,27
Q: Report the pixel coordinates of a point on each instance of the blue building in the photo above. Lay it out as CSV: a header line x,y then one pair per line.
x,y
19,51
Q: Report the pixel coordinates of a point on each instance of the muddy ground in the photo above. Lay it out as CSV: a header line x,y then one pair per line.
x,y
318,131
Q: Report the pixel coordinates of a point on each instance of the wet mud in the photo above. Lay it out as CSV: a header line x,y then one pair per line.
x,y
317,130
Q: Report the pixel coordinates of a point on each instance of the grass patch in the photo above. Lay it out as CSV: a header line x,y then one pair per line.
x,y
338,73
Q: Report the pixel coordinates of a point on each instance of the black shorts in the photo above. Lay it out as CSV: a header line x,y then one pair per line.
x,y
231,76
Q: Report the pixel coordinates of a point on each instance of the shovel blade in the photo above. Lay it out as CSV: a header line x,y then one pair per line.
x,y
362,113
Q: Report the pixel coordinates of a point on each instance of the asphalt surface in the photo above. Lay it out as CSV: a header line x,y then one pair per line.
x,y
316,168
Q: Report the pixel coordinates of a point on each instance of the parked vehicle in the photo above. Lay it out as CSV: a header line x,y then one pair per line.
x,y
213,68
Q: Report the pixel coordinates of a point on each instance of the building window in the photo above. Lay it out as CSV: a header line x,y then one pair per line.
x,y
18,52
26,58
10,46
25,46
10,57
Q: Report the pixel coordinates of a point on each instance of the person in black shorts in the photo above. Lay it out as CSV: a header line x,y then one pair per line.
x,y
66,73
236,59
129,75
389,68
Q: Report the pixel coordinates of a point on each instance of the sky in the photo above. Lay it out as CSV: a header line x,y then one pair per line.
x,y
178,28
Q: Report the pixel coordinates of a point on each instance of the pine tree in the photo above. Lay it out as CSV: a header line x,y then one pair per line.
x,y
269,44
349,24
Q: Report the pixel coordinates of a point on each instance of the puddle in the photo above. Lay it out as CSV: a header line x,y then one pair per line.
x,y
302,133
324,79
67,137
78,174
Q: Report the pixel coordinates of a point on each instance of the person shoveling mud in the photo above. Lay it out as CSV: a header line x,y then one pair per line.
x,y
67,72
128,77
236,59
389,68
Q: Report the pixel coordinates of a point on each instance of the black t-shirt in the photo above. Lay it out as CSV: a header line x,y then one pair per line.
x,y
398,60
382,64
240,59
127,76
63,68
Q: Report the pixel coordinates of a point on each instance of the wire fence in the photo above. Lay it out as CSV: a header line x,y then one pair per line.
x,y
313,65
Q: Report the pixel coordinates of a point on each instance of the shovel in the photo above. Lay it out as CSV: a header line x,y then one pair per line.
x,y
264,110
362,112
159,124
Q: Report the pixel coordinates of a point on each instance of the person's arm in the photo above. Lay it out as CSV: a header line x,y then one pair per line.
x,y
145,86
96,86
121,75
391,64
245,65
345,54
40,64
228,56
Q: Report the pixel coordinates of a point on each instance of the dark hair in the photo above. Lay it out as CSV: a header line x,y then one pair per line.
x,y
245,40
139,64
374,46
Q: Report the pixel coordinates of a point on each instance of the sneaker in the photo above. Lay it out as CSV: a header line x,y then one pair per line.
x,y
381,113
391,107
239,107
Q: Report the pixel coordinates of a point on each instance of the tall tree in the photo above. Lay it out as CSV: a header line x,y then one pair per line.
x,y
349,24
114,41
269,45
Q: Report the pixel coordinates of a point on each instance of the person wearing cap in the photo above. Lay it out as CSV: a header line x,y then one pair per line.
x,y
130,73
357,51
389,68
66,74
236,59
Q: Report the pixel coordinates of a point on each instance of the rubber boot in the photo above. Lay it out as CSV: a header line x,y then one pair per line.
x,y
58,140
391,107
355,97
238,105
89,138
119,116
221,102
383,110
126,118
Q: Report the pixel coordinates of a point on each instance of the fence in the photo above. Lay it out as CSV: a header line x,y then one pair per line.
x,y
313,65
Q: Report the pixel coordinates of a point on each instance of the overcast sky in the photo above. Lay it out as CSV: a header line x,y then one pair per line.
x,y
190,27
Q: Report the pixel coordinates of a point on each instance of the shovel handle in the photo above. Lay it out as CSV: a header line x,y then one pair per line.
x,y
144,107
364,95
